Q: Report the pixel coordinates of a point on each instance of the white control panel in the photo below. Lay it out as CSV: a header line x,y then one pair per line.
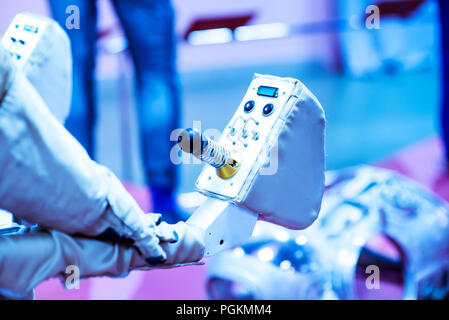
x,y
22,37
251,134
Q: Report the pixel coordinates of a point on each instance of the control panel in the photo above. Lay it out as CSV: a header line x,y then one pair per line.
x,y
22,37
251,134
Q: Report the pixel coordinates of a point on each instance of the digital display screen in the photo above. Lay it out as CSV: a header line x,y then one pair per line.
x,y
268,92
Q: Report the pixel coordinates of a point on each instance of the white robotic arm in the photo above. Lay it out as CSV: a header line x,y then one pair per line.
x,y
268,164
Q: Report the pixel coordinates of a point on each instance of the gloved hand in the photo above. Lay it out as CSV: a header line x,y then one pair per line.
x,y
188,248
28,259
182,243
47,178
6,72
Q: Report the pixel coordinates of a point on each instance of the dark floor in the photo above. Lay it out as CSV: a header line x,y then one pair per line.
x,y
367,119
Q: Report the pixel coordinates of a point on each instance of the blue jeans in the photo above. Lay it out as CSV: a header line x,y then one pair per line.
x,y
444,16
149,27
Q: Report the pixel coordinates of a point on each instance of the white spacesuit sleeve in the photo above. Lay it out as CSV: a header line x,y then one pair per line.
x,y
47,177
45,254
28,259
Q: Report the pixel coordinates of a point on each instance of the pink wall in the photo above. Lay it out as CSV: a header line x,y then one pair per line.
x,y
8,9
292,49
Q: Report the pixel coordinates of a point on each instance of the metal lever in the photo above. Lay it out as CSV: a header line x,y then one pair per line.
x,y
218,156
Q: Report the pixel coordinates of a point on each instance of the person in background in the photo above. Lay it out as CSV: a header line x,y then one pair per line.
x,y
444,17
149,27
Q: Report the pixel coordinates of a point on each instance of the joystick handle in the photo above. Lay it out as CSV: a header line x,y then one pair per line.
x,y
216,155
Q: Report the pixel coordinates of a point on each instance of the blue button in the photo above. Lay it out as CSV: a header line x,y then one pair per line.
x,y
268,109
249,106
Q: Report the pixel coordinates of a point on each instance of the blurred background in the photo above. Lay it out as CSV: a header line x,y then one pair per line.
x,y
379,88
379,85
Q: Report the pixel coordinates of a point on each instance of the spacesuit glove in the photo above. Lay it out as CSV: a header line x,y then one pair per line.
x,y
186,247
47,177
6,72
163,231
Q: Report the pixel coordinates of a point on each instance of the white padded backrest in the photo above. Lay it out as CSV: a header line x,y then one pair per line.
x,y
277,135
291,197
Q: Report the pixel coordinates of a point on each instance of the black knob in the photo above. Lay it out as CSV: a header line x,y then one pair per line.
x,y
249,106
191,141
268,109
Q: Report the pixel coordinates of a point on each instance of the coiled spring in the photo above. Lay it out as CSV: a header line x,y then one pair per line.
x,y
215,154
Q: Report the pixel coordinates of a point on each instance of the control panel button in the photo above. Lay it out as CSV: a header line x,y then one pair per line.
x,y
255,135
249,106
268,109
236,127
249,132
